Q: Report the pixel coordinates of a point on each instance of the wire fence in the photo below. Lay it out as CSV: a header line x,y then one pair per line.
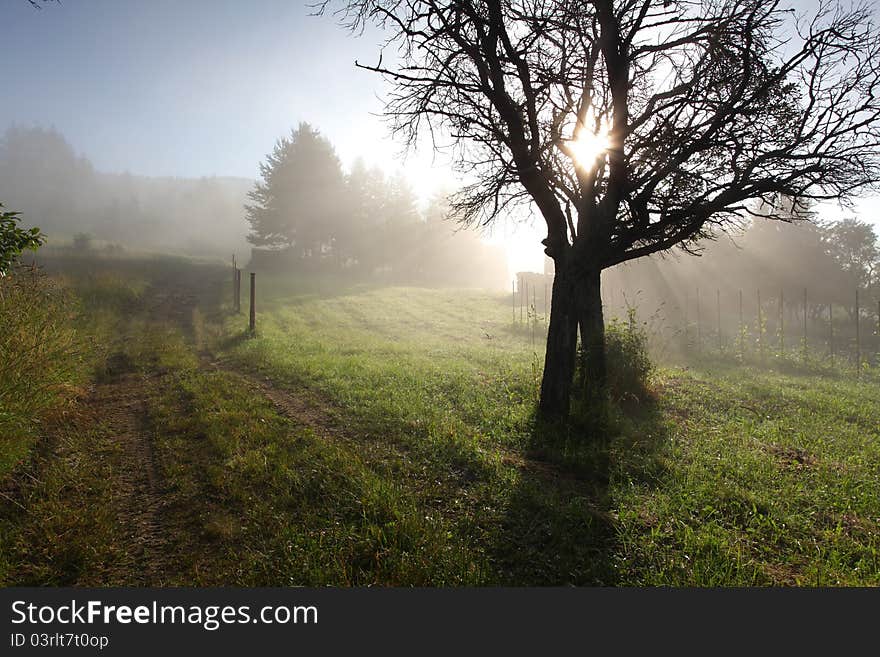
x,y
755,326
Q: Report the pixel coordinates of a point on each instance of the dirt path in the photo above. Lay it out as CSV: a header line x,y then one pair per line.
x,y
118,405
121,406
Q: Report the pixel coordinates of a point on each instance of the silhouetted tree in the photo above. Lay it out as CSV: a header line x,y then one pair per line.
x,y
853,245
298,201
632,126
366,210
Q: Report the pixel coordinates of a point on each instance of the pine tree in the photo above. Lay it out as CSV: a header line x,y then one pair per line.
x,y
297,202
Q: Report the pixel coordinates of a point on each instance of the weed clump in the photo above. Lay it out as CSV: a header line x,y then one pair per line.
x,y
628,367
40,358
628,362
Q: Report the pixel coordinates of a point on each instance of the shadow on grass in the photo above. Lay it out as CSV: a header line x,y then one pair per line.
x,y
231,340
560,525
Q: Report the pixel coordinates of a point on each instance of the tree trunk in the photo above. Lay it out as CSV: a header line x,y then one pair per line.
x,y
576,304
559,359
593,373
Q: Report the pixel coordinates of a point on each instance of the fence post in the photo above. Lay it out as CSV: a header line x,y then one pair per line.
x,y
699,327
805,325
237,288
687,332
534,306
253,318
858,338
234,279
513,298
534,321
782,322
718,309
831,332
546,316
760,328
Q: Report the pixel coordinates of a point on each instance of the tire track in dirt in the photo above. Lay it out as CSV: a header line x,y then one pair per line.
x,y
120,402
120,405
306,410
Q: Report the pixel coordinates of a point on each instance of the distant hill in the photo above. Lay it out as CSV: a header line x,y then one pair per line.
x,y
43,178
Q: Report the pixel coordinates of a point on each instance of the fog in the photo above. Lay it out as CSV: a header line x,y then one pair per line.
x,y
205,102
42,177
316,216
766,289
309,213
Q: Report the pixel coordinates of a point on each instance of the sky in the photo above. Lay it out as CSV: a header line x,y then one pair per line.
x,y
205,87
195,88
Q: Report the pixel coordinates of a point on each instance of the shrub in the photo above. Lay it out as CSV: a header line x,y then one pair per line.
x,y
82,243
14,240
40,358
629,364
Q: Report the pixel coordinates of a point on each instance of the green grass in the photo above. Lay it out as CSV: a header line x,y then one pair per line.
x,y
726,476
417,459
51,339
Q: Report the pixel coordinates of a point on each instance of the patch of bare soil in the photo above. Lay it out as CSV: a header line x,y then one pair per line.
x,y
792,457
121,406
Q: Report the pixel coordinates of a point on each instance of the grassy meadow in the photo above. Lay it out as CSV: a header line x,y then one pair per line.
x,y
387,436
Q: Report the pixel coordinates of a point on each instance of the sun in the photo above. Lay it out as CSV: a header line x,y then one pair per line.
x,y
587,147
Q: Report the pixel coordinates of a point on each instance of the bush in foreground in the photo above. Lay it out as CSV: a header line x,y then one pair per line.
x,y
39,358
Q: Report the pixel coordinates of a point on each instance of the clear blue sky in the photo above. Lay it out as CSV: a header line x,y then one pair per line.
x,y
187,88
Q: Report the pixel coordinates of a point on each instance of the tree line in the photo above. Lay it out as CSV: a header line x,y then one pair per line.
x,y
62,192
831,259
312,215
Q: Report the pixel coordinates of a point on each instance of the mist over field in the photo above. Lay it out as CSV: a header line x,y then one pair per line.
x,y
294,296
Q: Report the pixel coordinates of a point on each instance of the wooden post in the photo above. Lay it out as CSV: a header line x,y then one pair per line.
x,y
253,318
858,338
513,298
718,308
805,325
546,316
534,306
760,329
534,316
831,332
782,322
742,328
699,326
237,291
522,287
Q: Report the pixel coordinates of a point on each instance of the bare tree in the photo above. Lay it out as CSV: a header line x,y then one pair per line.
x,y
633,126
